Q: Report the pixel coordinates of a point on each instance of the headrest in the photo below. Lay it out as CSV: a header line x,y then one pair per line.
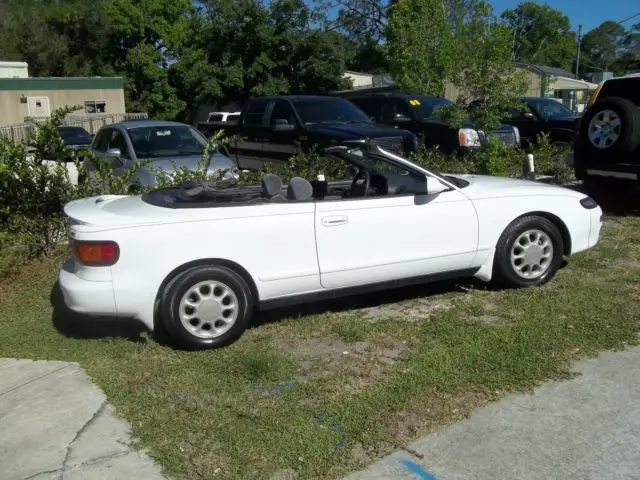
x,y
271,185
299,189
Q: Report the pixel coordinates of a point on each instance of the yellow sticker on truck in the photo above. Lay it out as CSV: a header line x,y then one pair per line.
x,y
414,102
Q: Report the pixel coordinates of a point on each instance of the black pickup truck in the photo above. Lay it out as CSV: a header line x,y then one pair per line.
x,y
271,129
419,114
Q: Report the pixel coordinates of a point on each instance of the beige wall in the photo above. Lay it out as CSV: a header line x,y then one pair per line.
x,y
534,83
12,111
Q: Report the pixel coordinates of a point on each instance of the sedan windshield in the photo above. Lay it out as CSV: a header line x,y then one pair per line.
x,y
329,110
166,141
548,108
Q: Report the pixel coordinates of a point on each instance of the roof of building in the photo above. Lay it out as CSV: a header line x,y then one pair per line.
x,y
62,83
546,70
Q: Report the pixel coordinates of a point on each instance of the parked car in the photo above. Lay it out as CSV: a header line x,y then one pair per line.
x,y
161,143
76,138
273,128
607,152
543,115
419,114
228,252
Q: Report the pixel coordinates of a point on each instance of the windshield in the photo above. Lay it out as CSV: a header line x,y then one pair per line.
x,y
548,108
329,110
166,141
424,107
77,135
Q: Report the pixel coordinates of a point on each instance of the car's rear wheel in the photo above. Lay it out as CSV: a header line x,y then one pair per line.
x,y
529,252
206,307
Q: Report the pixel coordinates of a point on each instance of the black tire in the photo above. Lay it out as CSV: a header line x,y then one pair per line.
x,y
629,135
180,285
504,272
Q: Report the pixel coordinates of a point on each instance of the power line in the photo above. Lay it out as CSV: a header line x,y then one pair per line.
x,y
629,18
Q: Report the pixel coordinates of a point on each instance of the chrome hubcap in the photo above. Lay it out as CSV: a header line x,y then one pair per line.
x,y
531,254
604,129
208,309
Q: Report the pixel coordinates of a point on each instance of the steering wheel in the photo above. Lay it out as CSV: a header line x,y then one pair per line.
x,y
366,176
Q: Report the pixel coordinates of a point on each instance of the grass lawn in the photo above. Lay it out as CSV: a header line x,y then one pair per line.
x,y
322,390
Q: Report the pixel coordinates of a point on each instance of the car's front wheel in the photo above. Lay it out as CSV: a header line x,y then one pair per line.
x,y
529,252
206,307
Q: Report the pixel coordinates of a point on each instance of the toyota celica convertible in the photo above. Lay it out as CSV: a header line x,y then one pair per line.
x,y
201,259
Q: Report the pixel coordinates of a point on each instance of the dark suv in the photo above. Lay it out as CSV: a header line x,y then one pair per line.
x,y
607,149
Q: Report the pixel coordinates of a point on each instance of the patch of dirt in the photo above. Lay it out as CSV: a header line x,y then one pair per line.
x,y
487,319
431,412
360,363
410,310
284,474
359,455
623,263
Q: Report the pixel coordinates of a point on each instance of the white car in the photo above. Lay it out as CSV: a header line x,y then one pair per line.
x,y
203,260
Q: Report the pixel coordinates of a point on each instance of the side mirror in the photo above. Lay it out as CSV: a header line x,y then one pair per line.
x,y
434,186
115,153
529,116
401,119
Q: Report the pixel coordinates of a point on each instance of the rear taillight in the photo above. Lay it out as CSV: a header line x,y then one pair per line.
x,y
96,253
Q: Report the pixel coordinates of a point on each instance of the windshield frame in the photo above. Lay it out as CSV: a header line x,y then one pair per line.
x,y
329,103
154,153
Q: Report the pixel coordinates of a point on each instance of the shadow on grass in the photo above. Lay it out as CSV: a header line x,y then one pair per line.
x,y
615,200
76,325
369,300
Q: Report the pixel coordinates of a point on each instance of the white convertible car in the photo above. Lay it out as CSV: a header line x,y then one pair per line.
x,y
202,260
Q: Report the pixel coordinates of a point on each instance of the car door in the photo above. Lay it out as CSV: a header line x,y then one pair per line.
x,y
248,150
376,239
280,144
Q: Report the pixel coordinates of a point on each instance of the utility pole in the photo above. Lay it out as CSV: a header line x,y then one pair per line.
x,y
578,54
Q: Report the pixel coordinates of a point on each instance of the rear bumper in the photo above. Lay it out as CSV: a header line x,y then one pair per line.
x,y
84,296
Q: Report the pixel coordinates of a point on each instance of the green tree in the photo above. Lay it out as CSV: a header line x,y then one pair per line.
x,y
489,79
434,43
421,48
541,35
236,49
144,36
602,46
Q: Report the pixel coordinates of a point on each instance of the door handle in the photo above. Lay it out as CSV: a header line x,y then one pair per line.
x,y
334,221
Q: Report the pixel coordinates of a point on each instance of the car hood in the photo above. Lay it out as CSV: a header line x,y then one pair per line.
x,y
192,162
359,130
485,186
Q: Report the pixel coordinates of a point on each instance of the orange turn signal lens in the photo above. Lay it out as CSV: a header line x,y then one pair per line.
x,y
96,254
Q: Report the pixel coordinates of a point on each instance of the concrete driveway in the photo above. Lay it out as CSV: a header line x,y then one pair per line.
x,y
584,428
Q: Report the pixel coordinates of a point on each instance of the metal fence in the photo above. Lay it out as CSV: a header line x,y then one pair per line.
x,y
91,123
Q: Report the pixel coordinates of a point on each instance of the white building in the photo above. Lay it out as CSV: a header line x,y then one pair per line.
x,y
14,70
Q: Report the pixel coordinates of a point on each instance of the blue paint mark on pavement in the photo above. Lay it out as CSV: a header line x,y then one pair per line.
x,y
417,469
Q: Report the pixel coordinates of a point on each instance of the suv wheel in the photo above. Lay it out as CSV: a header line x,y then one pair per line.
x,y
612,128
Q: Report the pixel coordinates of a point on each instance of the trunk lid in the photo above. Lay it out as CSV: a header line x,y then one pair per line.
x,y
111,211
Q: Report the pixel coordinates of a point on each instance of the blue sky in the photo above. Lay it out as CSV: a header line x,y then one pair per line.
x,y
589,13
